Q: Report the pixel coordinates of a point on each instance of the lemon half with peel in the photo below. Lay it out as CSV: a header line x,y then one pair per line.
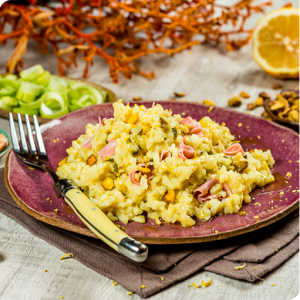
x,y
275,43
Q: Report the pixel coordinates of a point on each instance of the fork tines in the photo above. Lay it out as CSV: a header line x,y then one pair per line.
x,y
32,146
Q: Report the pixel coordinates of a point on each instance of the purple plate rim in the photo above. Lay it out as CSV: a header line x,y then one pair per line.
x,y
157,240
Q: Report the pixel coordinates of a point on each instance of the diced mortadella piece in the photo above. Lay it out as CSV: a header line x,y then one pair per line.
x,y
164,155
88,143
185,152
226,189
108,150
196,128
101,123
132,175
188,120
206,197
200,193
234,149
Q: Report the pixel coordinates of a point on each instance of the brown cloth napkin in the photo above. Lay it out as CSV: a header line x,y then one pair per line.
x,y
265,249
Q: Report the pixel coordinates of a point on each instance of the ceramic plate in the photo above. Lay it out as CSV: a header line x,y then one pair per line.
x,y
31,188
111,97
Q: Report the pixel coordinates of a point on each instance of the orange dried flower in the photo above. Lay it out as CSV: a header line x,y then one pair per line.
x,y
131,29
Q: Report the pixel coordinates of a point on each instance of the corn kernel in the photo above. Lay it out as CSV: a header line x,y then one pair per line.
x,y
108,183
133,119
170,196
62,162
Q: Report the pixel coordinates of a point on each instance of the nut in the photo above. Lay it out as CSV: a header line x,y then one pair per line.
x,y
179,94
289,94
277,105
136,98
294,115
264,95
108,183
92,159
244,95
259,101
277,86
208,102
235,101
170,196
251,106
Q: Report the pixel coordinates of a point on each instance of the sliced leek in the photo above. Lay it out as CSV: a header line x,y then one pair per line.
x,y
38,92
53,106
25,111
8,87
5,105
28,91
43,79
10,100
31,73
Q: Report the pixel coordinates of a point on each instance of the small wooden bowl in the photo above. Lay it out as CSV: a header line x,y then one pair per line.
x,y
285,122
111,97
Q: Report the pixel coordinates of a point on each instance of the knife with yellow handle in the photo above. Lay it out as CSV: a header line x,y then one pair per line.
x,y
86,210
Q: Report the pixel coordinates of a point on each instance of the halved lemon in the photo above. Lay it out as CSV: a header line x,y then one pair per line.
x,y
275,43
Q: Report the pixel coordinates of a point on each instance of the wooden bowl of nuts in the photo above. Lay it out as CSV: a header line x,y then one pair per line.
x,y
284,109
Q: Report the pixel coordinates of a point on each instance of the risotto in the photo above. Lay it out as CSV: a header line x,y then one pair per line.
x,y
150,163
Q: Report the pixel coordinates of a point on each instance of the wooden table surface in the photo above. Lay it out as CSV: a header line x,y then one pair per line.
x,y
203,73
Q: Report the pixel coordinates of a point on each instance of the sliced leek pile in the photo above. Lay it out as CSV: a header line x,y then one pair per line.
x,y
37,92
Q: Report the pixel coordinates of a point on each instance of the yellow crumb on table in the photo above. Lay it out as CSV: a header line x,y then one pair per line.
x,y
194,284
114,283
143,286
206,284
161,278
273,284
130,293
45,270
255,268
288,174
256,217
240,267
240,125
67,255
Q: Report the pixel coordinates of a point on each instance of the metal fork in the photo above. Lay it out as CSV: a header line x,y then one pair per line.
x,y
85,209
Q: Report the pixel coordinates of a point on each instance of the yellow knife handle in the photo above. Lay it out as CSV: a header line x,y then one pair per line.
x,y
93,217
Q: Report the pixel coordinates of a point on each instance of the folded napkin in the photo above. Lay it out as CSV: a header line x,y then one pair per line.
x,y
265,249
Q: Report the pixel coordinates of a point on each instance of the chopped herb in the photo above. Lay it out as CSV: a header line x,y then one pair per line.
x,y
116,168
174,132
136,152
